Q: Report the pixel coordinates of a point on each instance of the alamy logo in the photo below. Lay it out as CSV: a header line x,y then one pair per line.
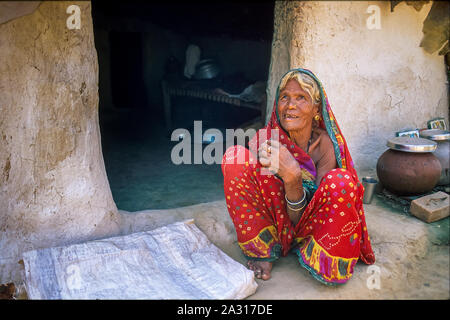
x,y
373,22
73,280
374,280
74,20
213,152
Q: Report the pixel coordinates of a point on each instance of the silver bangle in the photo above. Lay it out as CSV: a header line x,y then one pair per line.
x,y
296,203
297,209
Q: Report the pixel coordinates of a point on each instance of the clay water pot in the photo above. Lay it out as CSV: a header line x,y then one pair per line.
x,y
442,138
409,167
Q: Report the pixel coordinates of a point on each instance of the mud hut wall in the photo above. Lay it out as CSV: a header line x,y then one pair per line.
x,y
53,185
378,81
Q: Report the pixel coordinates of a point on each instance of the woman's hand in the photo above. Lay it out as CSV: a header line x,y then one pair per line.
x,y
277,158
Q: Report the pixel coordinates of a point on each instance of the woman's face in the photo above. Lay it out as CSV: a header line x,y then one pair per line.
x,y
295,107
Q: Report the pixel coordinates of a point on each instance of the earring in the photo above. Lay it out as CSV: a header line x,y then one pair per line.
x,y
317,117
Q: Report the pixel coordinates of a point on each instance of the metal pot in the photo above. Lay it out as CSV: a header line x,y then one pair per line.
x,y
206,69
442,138
409,166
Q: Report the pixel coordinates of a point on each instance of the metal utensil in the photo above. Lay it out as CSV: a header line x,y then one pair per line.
x,y
206,69
408,144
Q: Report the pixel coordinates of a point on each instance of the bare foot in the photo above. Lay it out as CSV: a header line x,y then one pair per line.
x,y
261,268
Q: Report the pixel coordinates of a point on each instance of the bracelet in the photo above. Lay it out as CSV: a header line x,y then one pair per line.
x,y
297,209
296,203
296,206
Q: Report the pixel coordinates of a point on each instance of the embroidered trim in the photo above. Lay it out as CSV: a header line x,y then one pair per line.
x,y
345,231
306,175
265,246
323,266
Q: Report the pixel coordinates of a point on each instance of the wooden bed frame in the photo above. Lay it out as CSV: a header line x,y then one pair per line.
x,y
190,89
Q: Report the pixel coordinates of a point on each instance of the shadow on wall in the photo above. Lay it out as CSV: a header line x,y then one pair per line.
x,y
10,10
435,27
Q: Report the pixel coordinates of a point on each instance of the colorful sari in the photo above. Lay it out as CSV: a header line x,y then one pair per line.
x,y
331,235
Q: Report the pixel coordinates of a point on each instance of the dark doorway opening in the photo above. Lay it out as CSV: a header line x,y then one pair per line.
x,y
143,45
127,80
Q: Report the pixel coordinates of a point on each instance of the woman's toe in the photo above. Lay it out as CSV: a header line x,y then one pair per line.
x,y
265,276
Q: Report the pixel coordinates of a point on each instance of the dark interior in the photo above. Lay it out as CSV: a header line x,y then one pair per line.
x,y
140,44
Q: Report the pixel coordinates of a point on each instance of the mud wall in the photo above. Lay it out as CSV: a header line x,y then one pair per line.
x,y
53,185
378,81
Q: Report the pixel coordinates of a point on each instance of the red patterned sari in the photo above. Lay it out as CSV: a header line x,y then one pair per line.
x,y
331,235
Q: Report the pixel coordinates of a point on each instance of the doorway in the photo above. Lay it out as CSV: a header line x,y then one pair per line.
x,y
127,81
141,44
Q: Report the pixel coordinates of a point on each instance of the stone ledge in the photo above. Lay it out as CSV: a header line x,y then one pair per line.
x,y
411,265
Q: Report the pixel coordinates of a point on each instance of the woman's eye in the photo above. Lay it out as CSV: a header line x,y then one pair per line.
x,y
300,97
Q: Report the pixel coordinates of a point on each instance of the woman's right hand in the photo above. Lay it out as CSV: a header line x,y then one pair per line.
x,y
277,158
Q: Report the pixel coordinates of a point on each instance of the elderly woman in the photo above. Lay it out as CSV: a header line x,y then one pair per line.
x,y
297,188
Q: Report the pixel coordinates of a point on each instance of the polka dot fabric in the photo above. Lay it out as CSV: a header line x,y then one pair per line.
x,y
331,235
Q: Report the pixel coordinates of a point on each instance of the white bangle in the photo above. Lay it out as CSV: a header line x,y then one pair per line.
x,y
296,203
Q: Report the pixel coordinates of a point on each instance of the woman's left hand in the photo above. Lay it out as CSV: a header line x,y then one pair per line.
x,y
277,158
